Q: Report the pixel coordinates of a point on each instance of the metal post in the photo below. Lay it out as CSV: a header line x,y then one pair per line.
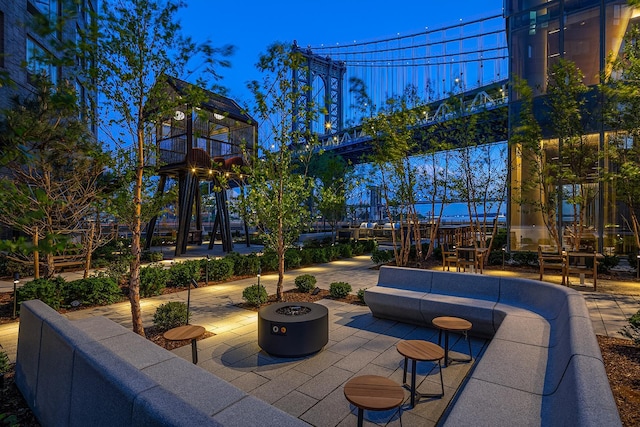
x,y
504,250
16,280
638,266
259,271
206,271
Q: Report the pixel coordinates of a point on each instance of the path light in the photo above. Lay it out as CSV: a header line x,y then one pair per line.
x,y
504,250
16,280
195,285
638,266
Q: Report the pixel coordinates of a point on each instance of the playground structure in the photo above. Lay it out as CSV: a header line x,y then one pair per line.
x,y
210,142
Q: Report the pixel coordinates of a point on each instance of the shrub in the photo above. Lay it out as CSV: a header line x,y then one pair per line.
x,y
292,259
495,257
608,263
346,251
381,256
333,252
4,362
269,261
153,279
339,289
170,315
181,273
305,282
369,245
255,295
320,255
525,257
361,295
244,265
306,256
632,330
49,291
151,256
219,269
92,291
358,248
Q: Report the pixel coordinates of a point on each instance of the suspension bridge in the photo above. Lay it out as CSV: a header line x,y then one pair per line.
x,y
468,60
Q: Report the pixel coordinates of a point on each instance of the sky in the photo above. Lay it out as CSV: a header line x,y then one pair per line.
x,y
251,26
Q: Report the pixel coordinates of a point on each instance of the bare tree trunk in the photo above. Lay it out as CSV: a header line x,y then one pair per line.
x,y
36,255
134,280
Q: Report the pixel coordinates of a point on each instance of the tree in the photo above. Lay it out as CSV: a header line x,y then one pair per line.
x,y
393,143
577,155
330,170
622,114
50,187
278,184
481,181
140,44
535,191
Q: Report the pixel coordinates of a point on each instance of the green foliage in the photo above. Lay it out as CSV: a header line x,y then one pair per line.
x,y
151,256
244,265
170,315
4,362
320,255
49,291
346,251
525,257
339,289
255,295
292,259
368,245
181,273
269,261
608,263
495,257
93,291
358,248
305,282
306,256
220,269
381,256
361,295
153,279
280,189
632,330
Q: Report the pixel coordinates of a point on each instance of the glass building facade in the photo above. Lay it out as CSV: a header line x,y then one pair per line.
x,y
588,33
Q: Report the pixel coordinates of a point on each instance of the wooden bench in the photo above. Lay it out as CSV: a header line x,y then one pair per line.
x,y
68,260
583,264
552,261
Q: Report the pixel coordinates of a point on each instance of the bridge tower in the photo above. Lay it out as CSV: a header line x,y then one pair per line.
x,y
332,75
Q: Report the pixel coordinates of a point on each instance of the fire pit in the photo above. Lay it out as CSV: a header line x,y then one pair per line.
x,y
288,329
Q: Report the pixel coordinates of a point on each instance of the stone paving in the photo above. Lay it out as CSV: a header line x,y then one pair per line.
x,y
311,388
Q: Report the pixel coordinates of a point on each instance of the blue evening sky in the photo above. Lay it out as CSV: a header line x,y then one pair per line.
x,y
251,26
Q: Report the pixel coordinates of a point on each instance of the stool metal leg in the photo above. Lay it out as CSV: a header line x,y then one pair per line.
x,y
413,382
404,372
466,336
194,352
360,416
441,381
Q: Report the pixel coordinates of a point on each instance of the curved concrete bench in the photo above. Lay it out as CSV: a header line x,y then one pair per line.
x,y
543,365
94,372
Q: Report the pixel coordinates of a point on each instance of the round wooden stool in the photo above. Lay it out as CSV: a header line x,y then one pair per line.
x,y
373,393
186,332
452,324
423,351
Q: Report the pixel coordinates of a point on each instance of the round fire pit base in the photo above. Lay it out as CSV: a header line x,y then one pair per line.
x,y
287,329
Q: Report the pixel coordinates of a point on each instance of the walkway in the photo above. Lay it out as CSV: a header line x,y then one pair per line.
x,y
311,388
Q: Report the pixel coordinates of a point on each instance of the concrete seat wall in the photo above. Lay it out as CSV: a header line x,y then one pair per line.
x,y
543,365
95,372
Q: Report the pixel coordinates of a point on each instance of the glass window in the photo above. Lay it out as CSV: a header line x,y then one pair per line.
x,y
50,8
36,62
